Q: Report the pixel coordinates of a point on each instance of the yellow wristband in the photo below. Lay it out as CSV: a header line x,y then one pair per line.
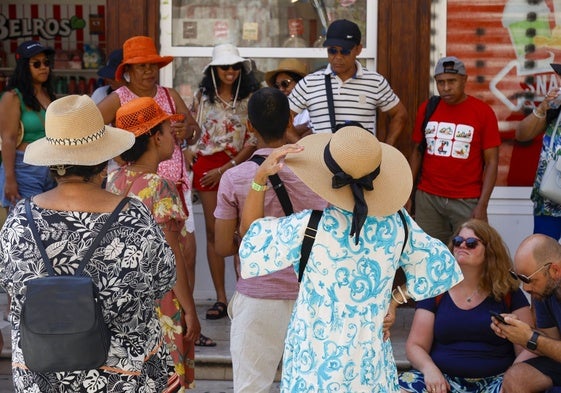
x,y
258,187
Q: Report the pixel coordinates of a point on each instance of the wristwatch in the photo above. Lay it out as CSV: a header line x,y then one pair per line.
x,y
532,343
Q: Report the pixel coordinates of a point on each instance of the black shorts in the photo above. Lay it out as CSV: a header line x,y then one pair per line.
x,y
548,367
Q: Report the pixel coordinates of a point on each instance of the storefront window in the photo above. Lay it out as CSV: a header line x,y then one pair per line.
x,y
265,31
260,23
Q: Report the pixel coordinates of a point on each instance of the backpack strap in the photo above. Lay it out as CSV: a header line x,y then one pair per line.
x,y
308,242
330,106
429,110
278,186
93,246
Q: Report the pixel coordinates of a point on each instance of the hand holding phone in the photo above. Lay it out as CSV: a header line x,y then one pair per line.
x,y
498,316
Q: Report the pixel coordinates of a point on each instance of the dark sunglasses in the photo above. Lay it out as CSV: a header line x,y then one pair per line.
x,y
471,242
335,51
37,63
527,279
284,84
235,67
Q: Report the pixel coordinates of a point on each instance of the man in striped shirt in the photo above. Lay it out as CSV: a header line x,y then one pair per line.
x,y
357,92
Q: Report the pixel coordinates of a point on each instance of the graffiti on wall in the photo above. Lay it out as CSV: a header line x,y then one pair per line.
x,y
510,46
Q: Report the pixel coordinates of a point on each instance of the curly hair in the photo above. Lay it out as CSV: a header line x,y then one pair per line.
x,y
247,81
496,277
22,80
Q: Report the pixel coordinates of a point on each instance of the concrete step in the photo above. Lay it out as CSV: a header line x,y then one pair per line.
x,y
215,363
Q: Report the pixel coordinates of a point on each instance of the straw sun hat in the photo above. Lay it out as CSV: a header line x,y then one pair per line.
x,y
287,65
227,54
358,153
76,135
140,50
141,115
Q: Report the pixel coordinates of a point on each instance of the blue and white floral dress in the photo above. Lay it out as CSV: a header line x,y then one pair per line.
x,y
335,341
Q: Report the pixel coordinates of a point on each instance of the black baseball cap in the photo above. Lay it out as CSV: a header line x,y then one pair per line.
x,y
343,33
29,49
108,70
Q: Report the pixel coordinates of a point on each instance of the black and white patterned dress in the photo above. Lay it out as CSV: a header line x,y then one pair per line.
x,y
132,268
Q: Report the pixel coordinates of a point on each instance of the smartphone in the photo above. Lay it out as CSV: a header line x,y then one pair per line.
x,y
498,316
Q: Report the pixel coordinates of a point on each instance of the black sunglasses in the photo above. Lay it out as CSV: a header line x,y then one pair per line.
x,y
334,51
235,67
471,242
527,279
284,83
37,64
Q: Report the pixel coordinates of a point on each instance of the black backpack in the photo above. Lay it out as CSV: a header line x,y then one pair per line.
x,y
62,326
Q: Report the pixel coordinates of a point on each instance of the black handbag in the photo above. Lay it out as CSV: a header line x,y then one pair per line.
x,y
62,326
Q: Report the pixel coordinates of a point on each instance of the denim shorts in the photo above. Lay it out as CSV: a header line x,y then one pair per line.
x,y
31,179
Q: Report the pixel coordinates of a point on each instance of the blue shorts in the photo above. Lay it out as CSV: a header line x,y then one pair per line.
x,y
414,381
31,179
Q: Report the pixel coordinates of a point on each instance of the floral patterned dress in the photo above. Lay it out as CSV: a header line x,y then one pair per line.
x,y
132,268
335,341
161,197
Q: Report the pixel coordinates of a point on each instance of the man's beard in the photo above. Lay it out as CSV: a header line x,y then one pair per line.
x,y
553,287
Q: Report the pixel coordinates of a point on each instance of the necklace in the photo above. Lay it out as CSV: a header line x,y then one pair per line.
x,y
470,297
229,105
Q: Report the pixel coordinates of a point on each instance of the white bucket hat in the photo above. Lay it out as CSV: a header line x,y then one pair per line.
x,y
76,135
227,54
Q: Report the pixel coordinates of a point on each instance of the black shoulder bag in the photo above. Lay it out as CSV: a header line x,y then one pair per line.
x,y
62,326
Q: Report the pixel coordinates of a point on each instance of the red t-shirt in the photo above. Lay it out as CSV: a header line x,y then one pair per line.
x,y
457,136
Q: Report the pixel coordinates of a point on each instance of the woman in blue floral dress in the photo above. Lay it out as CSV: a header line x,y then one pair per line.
x,y
335,340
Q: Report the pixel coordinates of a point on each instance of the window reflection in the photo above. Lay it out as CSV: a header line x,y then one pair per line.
x,y
260,23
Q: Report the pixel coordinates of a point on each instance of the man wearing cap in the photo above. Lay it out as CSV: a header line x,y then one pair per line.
x,y
456,168
107,72
357,92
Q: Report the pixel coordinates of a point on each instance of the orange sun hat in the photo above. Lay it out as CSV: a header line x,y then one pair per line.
x,y
141,115
140,50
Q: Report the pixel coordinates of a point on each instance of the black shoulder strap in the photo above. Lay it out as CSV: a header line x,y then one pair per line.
x,y
405,227
278,186
429,110
309,238
329,94
92,248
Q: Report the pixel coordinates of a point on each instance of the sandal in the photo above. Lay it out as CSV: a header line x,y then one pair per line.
x,y
217,311
204,341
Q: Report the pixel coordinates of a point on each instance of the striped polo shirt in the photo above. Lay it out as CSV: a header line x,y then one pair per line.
x,y
355,99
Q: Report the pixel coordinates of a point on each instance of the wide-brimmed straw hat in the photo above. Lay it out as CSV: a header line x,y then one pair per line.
x,y
294,66
141,115
358,153
141,50
227,54
76,135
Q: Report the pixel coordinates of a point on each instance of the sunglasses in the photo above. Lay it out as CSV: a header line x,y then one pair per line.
x,y
37,64
235,67
527,279
335,51
283,84
471,242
